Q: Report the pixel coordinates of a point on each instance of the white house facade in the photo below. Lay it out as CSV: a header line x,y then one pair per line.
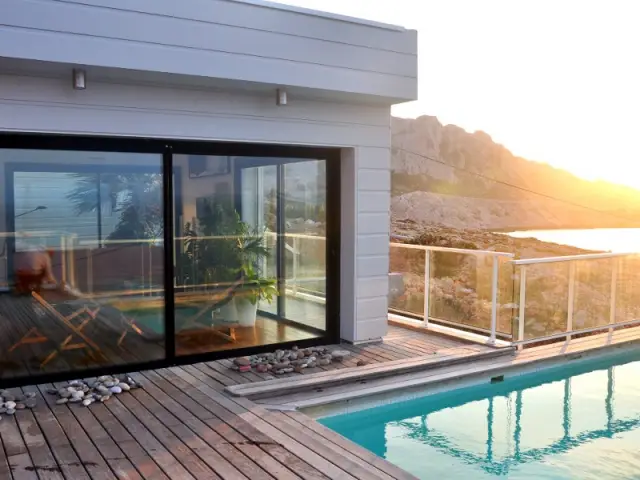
x,y
143,141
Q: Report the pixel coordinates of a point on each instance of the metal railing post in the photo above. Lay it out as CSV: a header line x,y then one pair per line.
x,y
494,301
427,285
570,301
63,260
296,259
522,301
614,287
90,270
150,269
72,262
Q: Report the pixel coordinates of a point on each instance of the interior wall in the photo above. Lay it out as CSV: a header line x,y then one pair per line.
x,y
193,188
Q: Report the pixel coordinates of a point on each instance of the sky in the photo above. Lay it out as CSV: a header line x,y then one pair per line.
x,y
556,81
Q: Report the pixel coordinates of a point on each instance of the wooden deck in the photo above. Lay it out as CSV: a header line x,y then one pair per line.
x,y
183,425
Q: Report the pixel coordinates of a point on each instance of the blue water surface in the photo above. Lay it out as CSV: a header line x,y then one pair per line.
x,y
576,421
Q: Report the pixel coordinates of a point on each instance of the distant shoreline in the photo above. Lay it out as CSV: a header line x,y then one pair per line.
x,y
550,229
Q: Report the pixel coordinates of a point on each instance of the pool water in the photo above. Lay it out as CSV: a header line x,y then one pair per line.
x,y
153,318
579,420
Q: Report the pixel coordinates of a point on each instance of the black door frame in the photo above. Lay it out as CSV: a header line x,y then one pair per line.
x,y
167,149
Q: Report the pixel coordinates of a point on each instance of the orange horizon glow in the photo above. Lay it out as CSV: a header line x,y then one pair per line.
x,y
554,82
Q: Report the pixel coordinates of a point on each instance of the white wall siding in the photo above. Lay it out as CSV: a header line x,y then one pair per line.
x,y
217,39
50,105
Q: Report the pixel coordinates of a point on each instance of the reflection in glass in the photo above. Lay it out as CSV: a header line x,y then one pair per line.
x,y
82,260
230,270
305,226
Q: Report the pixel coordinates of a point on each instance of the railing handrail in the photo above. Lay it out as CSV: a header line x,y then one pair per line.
x,y
25,234
469,251
570,258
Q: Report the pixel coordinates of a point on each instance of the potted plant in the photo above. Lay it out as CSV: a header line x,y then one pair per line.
x,y
249,294
218,249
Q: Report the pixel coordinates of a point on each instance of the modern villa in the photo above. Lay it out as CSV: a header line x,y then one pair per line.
x,y
195,221
124,127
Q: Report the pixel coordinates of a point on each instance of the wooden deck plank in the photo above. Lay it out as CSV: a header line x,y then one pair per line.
x,y
63,452
358,374
143,462
209,444
493,366
110,451
16,450
192,380
5,470
254,436
183,425
346,445
178,458
272,426
89,456
43,460
148,442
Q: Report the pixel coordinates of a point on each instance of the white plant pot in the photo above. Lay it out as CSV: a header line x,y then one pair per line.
x,y
246,311
228,312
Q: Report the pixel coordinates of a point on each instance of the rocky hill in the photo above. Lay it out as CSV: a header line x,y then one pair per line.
x,y
477,183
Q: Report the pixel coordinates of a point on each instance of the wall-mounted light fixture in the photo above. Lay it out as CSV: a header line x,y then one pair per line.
x,y
281,97
79,79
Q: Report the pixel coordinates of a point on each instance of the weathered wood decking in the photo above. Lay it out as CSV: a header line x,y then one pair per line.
x,y
183,425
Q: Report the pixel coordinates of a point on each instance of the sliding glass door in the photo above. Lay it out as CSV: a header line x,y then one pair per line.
x,y
287,198
83,247
252,260
124,253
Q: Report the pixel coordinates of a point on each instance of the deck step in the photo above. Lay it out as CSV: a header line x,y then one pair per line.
x,y
291,385
412,384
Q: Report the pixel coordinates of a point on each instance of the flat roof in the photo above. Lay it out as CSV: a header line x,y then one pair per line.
x,y
319,13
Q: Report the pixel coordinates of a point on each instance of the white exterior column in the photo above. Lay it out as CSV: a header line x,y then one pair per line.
x,y
366,193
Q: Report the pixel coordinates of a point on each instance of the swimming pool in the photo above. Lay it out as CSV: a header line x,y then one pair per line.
x,y
576,420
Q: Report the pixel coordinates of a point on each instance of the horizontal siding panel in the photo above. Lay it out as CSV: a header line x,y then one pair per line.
x,y
371,223
373,287
113,53
372,266
175,32
376,158
271,20
188,100
373,245
378,180
56,118
369,308
373,202
372,329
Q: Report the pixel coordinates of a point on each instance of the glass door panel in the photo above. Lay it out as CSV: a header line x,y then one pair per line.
x,y
84,256
305,227
259,204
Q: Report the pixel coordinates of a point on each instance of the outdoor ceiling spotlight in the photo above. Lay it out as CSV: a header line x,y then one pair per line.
x,y
79,79
281,97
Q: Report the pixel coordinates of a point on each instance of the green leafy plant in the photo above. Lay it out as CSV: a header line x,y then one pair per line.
x,y
220,248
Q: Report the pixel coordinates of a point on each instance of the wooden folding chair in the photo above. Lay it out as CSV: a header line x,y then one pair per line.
x,y
85,315
195,322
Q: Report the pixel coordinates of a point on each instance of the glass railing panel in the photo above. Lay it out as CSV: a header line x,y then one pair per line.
x,y
461,290
406,281
546,300
592,292
627,288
